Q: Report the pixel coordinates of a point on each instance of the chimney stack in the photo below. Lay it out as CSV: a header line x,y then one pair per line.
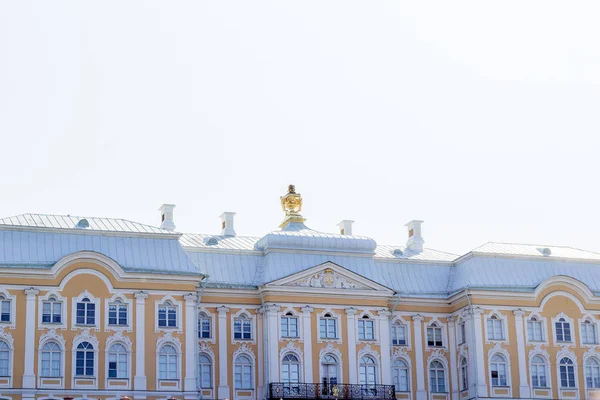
x,y
346,227
227,224
166,217
415,237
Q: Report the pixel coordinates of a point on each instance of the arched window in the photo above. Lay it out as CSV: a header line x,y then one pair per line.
x,y
437,377
84,361
588,332
498,370
400,369
243,372
86,312
117,361
51,311
366,330
464,374
563,330
205,371
539,372
495,328
4,359
329,374
567,373
51,360
368,371
168,362
204,331
434,335
290,369
592,373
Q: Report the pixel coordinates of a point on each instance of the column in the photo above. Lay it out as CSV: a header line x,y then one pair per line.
x,y
139,380
260,356
420,370
223,387
28,371
307,337
524,390
191,341
352,372
453,368
385,346
482,389
273,341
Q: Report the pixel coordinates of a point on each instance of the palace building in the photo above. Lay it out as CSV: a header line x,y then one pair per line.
x,y
97,308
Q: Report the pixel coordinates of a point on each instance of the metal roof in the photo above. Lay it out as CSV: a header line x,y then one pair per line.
x,y
391,252
534,250
70,222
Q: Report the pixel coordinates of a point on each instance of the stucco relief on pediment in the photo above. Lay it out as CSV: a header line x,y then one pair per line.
x,y
328,278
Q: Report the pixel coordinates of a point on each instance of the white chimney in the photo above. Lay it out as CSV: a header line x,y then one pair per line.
x,y
345,227
415,238
227,224
166,217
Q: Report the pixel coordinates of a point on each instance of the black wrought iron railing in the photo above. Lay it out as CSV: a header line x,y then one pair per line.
x,y
280,390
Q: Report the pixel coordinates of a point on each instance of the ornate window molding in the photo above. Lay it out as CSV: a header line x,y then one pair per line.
x,y
438,355
333,351
501,351
536,316
368,351
294,314
63,311
168,339
365,316
568,320
540,351
591,325
504,324
566,352
84,336
97,313
118,338
211,317
291,348
244,313
399,321
5,296
52,336
168,300
432,324
245,350
205,350
338,324
401,354
125,301
7,338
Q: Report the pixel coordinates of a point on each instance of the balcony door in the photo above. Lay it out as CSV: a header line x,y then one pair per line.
x,y
329,375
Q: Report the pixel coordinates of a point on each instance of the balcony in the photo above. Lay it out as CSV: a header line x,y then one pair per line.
x,y
280,390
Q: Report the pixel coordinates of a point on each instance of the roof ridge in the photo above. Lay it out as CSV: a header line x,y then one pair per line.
x,y
539,245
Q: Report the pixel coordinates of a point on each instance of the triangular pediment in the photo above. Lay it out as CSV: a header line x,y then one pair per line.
x,y
329,276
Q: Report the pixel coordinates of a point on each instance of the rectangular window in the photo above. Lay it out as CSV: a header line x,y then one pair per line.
x,y
4,362
434,336
563,331
588,333
399,335
401,379
117,366
117,314
242,329
289,327
366,329
534,331
495,329
328,328
204,327
463,333
243,377
51,312
86,313
5,311
167,316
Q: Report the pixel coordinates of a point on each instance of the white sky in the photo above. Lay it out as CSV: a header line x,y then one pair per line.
x,y
480,118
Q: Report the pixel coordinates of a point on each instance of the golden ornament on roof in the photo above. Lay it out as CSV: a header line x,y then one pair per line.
x,y
291,203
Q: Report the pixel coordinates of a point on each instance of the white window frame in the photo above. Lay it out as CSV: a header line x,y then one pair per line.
x,y
544,325
98,314
575,372
245,351
338,326
298,356
211,316
571,324
507,370
52,336
585,369
298,318
461,332
85,336
363,320
398,320
503,320
8,339
119,338
589,321
251,316
64,318
178,304
406,362
544,356
439,325
445,368
13,310
168,339
212,369
125,301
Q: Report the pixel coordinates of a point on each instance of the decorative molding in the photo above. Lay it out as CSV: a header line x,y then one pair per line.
x,y
141,296
498,349
52,335
369,351
500,317
7,337
63,311
97,312
168,338
85,336
350,311
328,278
290,347
246,350
13,310
31,292
124,301
418,317
118,337
211,317
401,352
566,351
203,347
179,324
250,316
331,349
439,355
539,350
544,324
222,310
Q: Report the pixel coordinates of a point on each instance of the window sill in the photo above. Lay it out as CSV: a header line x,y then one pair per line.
x,y
290,337
541,387
168,327
118,379
117,326
244,339
46,377
400,344
500,386
368,340
87,325
85,377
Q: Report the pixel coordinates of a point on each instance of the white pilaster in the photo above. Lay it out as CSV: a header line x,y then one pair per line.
x,y
139,380
352,371
386,348
524,390
223,387
273,341
28,372
307,337
482,390
420,370
453,367
191,341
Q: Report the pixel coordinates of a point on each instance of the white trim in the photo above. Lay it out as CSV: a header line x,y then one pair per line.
x,y
13,310
337,354
7,337
206,350
118,338
116,328
63,311
566,352
211,316
291,348
168,339
501,351
402,354
539,351
84,336
52,336
563,294
178,324
371,317
97,313
369,352
588,317
298,316
503,319
590,353
438,355
398,320
554,320
444,328
250,316
338,328
245,350
544,323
